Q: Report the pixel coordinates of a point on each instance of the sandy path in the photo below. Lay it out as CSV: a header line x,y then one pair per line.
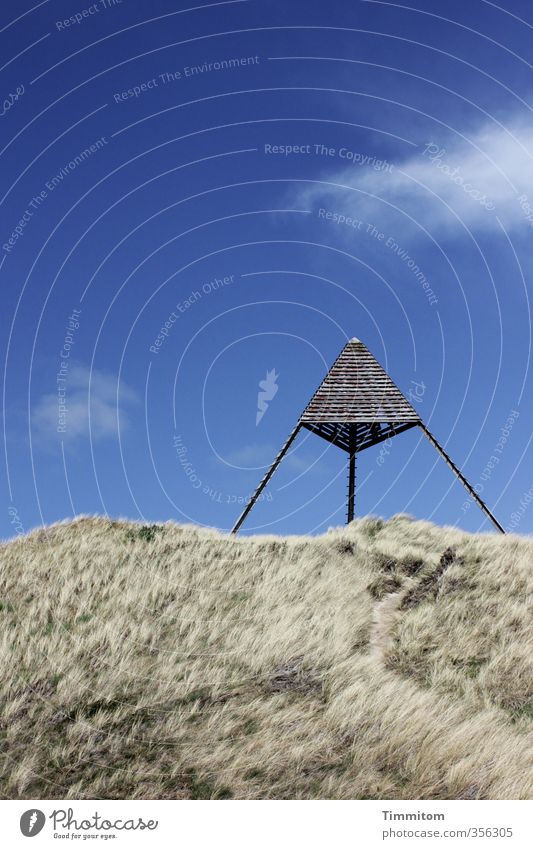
x,y
385,616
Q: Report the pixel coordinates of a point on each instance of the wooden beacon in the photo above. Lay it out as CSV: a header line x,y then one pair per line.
x,y
357,405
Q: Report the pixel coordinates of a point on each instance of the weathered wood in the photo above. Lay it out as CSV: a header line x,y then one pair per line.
x,y
356,406
351,474
358,389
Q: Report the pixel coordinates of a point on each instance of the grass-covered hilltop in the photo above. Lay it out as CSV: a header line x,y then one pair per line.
x,y
382,660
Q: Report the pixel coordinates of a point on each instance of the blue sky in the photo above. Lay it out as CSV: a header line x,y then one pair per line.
x,y
195,195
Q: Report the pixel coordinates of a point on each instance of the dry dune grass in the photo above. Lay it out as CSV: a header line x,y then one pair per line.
x,y
382,660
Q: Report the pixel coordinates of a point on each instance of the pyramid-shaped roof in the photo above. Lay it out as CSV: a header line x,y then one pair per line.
x,y
358,389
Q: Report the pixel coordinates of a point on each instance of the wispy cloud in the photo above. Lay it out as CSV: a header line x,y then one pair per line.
x,y
447,182
262,454
254,454
85,402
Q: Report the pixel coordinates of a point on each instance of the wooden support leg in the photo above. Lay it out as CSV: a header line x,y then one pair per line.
x,y
266,479
351,473
462,478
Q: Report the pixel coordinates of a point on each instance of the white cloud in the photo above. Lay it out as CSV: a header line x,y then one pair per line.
x,y
445,182
249,456
66,413
262,455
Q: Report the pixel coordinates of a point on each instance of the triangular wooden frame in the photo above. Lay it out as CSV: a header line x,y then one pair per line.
x,y
356,406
